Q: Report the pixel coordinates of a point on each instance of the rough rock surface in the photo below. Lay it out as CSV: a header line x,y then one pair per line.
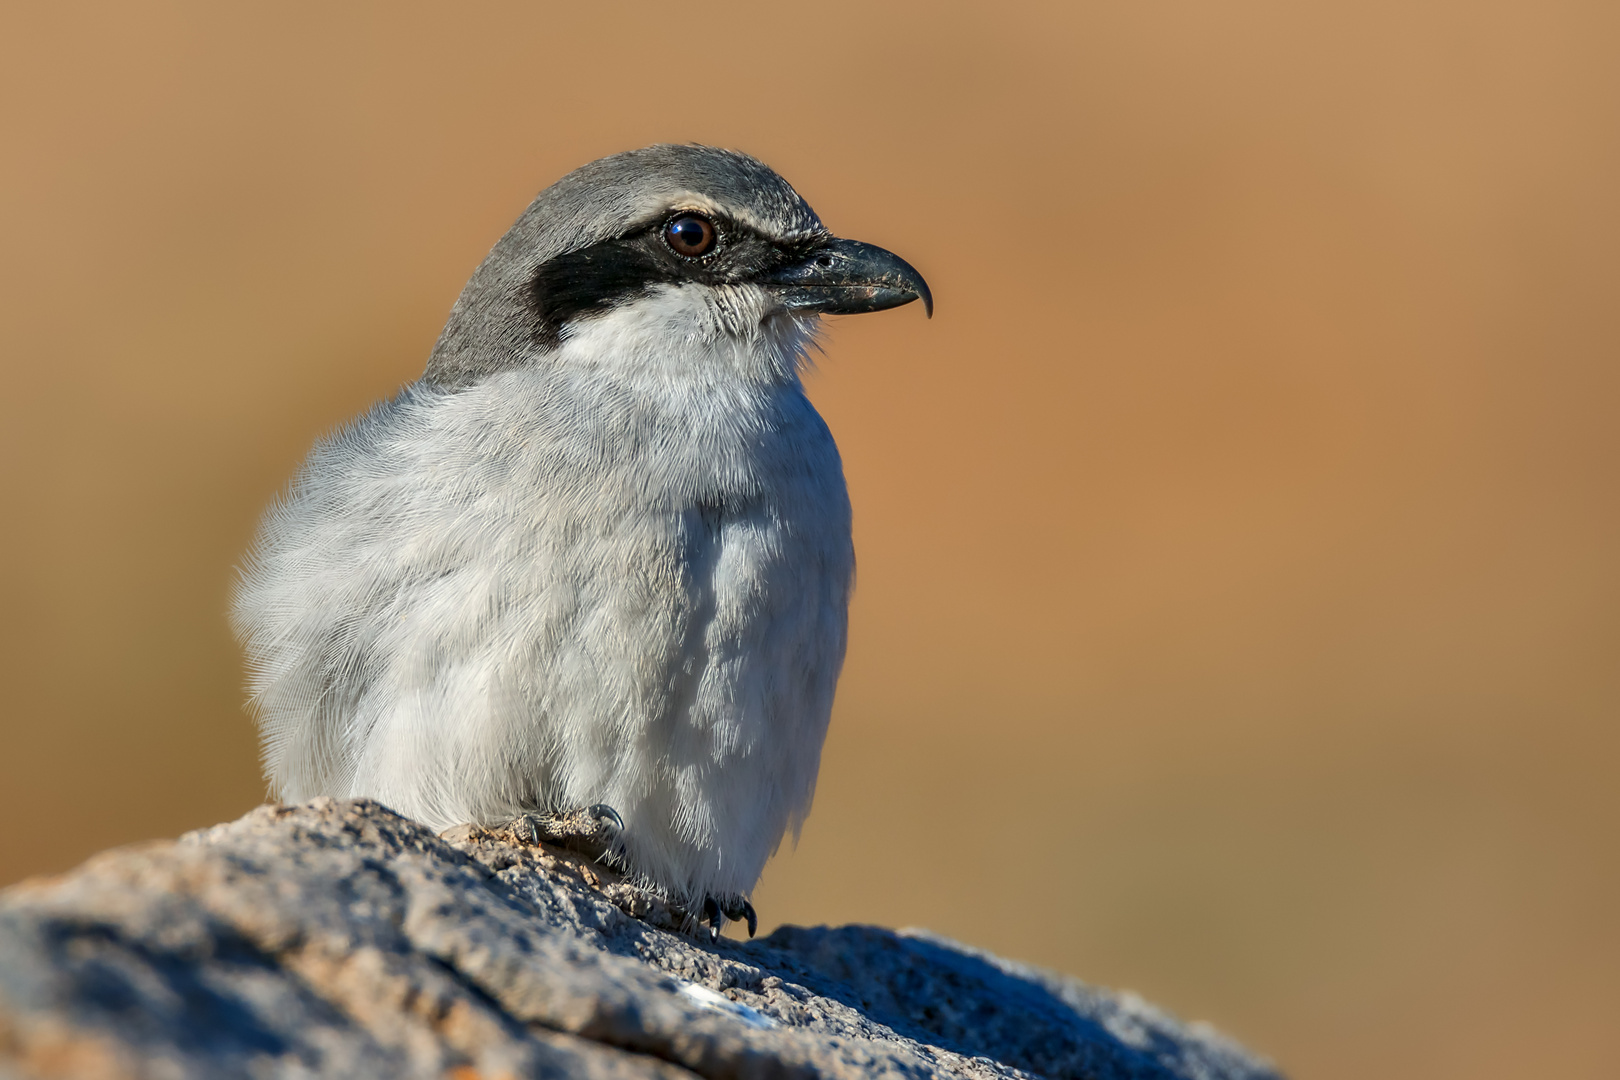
x,y
339,939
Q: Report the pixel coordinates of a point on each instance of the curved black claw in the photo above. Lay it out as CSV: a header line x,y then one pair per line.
x,y
525,829
739,909
606,817
712,916
731,907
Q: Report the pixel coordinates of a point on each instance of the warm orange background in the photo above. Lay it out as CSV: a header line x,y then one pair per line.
x,y
1237,617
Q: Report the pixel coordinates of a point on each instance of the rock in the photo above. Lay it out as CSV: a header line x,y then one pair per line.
x,y
340,939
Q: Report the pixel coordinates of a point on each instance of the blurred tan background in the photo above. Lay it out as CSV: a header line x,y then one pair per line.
x,y
1239,606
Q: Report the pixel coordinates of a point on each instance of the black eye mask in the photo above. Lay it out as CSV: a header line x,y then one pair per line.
x,y
596,279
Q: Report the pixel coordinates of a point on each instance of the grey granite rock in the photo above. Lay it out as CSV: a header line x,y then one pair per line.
x,y
339,939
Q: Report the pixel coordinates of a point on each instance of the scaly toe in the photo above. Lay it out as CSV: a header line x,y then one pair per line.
x,y
592,831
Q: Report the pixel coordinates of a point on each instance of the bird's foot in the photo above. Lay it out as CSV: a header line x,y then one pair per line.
x,y
718,909
592,831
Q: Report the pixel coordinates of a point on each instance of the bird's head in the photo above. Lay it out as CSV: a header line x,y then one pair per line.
x,y
686,243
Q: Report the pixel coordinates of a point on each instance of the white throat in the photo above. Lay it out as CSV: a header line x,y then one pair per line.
x,y
684,334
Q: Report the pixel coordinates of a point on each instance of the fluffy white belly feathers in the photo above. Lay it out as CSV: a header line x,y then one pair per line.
x,y
600,553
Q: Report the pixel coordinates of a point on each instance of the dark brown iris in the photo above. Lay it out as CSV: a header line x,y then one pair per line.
x,y
690,235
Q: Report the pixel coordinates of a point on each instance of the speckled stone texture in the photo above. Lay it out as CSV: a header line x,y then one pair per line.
x,y
339,939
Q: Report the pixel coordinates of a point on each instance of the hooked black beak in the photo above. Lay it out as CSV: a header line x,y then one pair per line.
x,y
847,277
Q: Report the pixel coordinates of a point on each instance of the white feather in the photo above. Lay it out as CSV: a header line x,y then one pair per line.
x,y
617,574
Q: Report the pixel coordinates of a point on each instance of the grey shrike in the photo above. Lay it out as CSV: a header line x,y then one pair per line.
x,y
597,559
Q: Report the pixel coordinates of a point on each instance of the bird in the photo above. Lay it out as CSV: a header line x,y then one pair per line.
x,y
597,560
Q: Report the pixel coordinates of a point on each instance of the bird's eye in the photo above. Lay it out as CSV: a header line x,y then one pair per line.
x,y
690,235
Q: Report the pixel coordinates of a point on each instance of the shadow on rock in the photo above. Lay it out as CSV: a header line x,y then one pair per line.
x,y
937,991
